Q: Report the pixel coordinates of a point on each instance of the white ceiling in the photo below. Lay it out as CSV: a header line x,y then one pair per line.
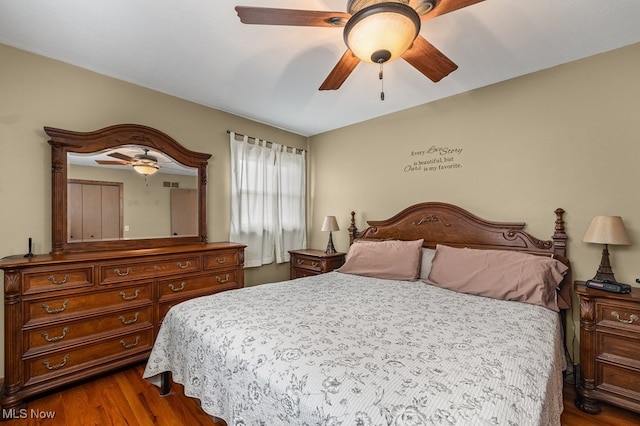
x,y
198,50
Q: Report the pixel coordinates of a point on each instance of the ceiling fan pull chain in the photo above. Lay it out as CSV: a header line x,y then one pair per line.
x,y
380,76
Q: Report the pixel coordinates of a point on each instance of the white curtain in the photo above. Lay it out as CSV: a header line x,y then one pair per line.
x,y
267,200
291,225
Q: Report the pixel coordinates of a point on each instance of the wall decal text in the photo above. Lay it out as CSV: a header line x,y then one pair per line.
x,y
434,159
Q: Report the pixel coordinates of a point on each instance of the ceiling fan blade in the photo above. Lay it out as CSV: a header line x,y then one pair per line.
x,y
341,71
120,156
428,60
446,6
112,162
305,18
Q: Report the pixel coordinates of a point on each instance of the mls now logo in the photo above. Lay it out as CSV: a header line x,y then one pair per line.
x,y
14,414
24,414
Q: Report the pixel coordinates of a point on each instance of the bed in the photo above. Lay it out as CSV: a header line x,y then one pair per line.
x,y
371,344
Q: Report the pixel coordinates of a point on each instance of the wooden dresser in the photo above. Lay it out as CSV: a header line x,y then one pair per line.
x,y
609,349
308,262
75,315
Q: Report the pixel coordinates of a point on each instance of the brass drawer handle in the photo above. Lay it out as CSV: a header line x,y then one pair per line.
x,y
314,264
130,345
122,274
633,318
221,260
64,280
131,321
223,280
56,366
185,266
55,311
177,289
56,338
135,295
299,261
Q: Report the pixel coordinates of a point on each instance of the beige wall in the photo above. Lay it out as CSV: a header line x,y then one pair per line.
x,y
37,92
565,137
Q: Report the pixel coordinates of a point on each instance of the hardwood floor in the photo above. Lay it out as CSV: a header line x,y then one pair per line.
x,y
125,398
610,415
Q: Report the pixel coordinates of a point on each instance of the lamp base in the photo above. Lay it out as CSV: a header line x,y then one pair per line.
x,y
605,278
605,273
330,249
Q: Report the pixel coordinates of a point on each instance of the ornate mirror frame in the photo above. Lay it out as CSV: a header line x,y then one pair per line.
x,y
65,141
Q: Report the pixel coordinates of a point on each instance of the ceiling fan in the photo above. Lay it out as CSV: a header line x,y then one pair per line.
x,y
144,164
375,31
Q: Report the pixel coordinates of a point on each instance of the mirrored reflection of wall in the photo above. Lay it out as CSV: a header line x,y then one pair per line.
x,y
95,210
146,201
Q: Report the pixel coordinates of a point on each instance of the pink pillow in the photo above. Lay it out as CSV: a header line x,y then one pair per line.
x,y
390,259
498,274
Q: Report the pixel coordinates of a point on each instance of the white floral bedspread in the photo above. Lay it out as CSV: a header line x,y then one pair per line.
x,y
339,349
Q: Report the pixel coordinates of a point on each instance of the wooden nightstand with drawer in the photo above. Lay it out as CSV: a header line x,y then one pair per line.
x,y
609,349
309,262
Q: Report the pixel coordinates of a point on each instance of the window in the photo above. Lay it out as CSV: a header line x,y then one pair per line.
x,y
268,198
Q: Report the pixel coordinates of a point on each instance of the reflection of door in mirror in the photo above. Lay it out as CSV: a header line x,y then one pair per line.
x,y
184,212
95,210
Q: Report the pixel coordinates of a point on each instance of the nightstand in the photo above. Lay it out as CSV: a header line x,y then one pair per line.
x,y
609,349
313,262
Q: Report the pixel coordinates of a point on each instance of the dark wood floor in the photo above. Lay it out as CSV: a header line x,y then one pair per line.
x,y
125,398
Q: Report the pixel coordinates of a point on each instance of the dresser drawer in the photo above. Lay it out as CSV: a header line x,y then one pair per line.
x,y
204,284
221,259
50,279
621,316
307,262
618,380
66,361
52,336
62,307
619,348
123,272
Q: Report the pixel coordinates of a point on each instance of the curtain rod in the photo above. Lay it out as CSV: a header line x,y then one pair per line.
x,y
254,138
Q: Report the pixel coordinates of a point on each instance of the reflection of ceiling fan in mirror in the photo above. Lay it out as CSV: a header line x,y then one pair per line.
x,y
144,164
375,31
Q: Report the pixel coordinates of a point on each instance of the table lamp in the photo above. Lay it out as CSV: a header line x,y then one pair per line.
x,y
330,224
606,230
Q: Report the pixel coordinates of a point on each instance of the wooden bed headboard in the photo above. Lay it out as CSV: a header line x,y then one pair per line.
x,y
442,223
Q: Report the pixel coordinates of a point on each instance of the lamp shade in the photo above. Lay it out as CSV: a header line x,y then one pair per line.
x,y
330,224
382,32
607,230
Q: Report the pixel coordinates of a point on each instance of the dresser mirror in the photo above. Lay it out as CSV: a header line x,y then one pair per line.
x,y
125,187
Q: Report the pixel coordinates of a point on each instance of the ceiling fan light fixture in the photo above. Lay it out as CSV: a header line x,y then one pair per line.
x,y
383,30
145,168
145,164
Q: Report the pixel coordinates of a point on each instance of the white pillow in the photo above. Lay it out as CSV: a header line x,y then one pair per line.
x,y
425,264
